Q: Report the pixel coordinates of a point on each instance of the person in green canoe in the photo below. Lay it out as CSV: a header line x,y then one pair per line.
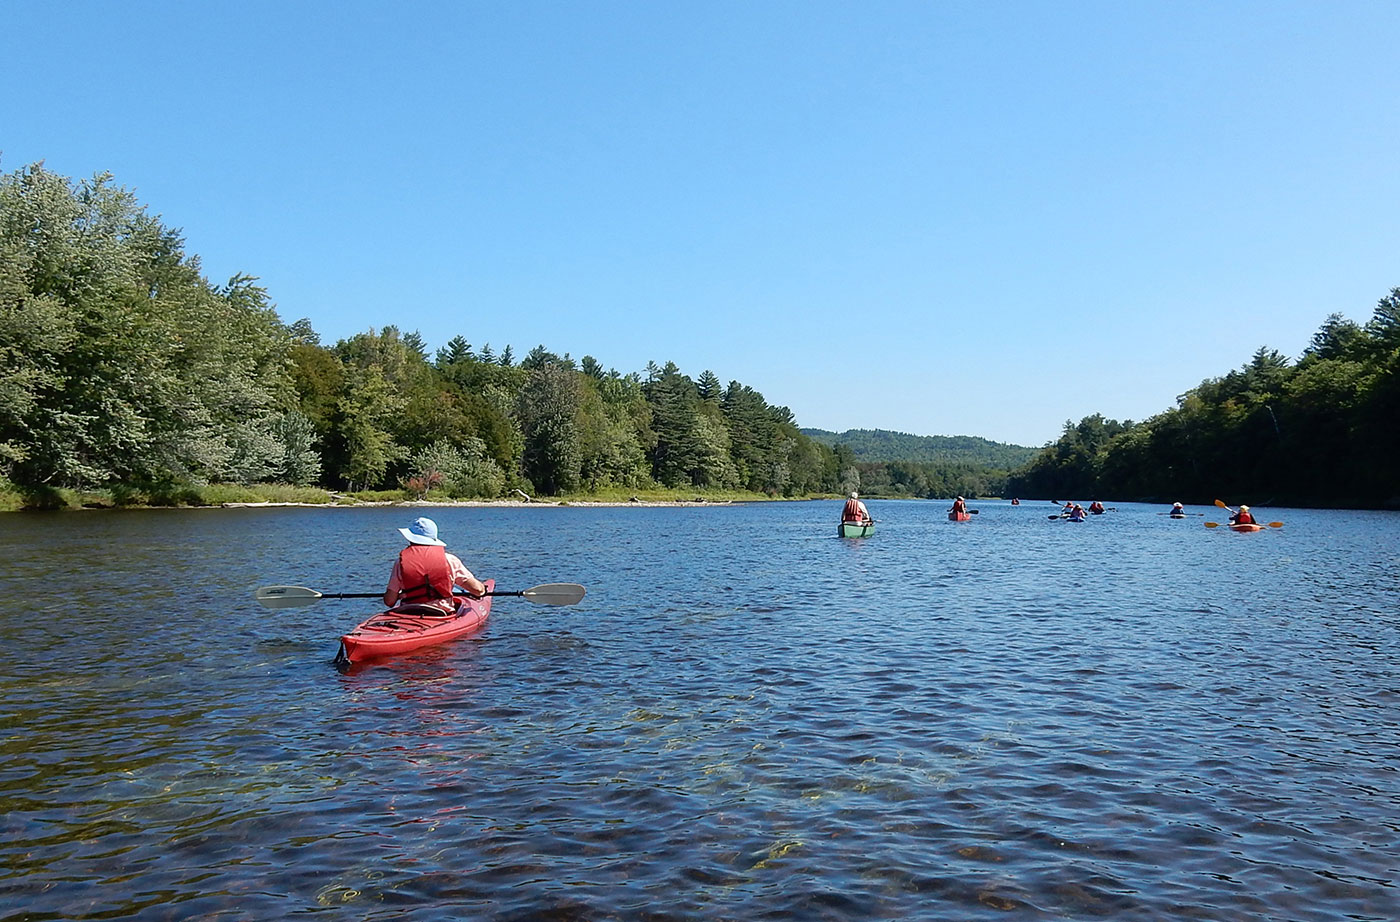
x,y
425,573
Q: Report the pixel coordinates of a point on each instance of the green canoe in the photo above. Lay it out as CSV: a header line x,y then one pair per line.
x,y
855,530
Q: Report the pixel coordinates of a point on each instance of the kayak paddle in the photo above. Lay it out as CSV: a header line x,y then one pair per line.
x,y
297,596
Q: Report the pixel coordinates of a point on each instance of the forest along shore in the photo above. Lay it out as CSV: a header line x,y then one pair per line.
x,y
483,502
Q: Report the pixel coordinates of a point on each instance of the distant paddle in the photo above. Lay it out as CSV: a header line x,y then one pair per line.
x,y
298,596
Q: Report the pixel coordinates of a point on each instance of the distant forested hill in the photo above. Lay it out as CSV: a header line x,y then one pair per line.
x,y
884,445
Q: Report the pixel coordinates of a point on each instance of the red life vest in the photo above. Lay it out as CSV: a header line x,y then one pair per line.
x,y
1244,518
424,573
852,511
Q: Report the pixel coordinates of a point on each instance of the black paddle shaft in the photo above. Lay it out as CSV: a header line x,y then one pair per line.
x,y
380,595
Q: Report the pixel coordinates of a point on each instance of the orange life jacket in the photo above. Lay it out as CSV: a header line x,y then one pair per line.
x,y
1244,518
852,511
424,574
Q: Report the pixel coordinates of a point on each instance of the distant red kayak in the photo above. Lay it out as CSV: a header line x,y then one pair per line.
x,y
1243,528
959,516
411,627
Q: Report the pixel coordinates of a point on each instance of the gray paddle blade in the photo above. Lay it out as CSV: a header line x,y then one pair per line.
x,y
285,596
554,594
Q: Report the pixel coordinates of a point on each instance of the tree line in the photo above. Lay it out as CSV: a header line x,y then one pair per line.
x,y
126,366
1322,430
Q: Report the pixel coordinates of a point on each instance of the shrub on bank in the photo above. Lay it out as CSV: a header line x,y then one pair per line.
x,y
13,498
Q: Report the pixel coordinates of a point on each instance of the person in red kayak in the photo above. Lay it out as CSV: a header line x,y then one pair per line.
x,y
1096,508
425,573
1243,517
959,507
854,510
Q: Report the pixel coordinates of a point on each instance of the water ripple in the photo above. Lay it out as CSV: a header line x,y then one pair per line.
x,y
746,718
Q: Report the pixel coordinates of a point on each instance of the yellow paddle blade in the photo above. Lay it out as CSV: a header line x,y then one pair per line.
x,y
1221,504
1275,524
1212,524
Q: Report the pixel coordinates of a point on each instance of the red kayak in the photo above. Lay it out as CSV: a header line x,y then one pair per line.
x,y
1244,528
408,627
959,516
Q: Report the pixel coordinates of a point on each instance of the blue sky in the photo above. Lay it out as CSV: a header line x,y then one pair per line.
x,y
935,217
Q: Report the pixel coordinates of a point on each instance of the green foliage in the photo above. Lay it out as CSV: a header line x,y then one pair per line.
x,y
915,479
612,453
456,350
464,471
549,402
365,414
1319,431
127,364
297,461
11,497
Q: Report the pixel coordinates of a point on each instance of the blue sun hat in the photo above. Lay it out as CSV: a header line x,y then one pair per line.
x,y
422,531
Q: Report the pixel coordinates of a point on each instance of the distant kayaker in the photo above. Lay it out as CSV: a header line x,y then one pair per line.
x,y
1077,513
959,507
1178,509
425,573
1242,517
1096,507
1015,501
854,510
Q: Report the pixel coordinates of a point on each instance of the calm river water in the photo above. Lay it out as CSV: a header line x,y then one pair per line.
x,y
747,718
